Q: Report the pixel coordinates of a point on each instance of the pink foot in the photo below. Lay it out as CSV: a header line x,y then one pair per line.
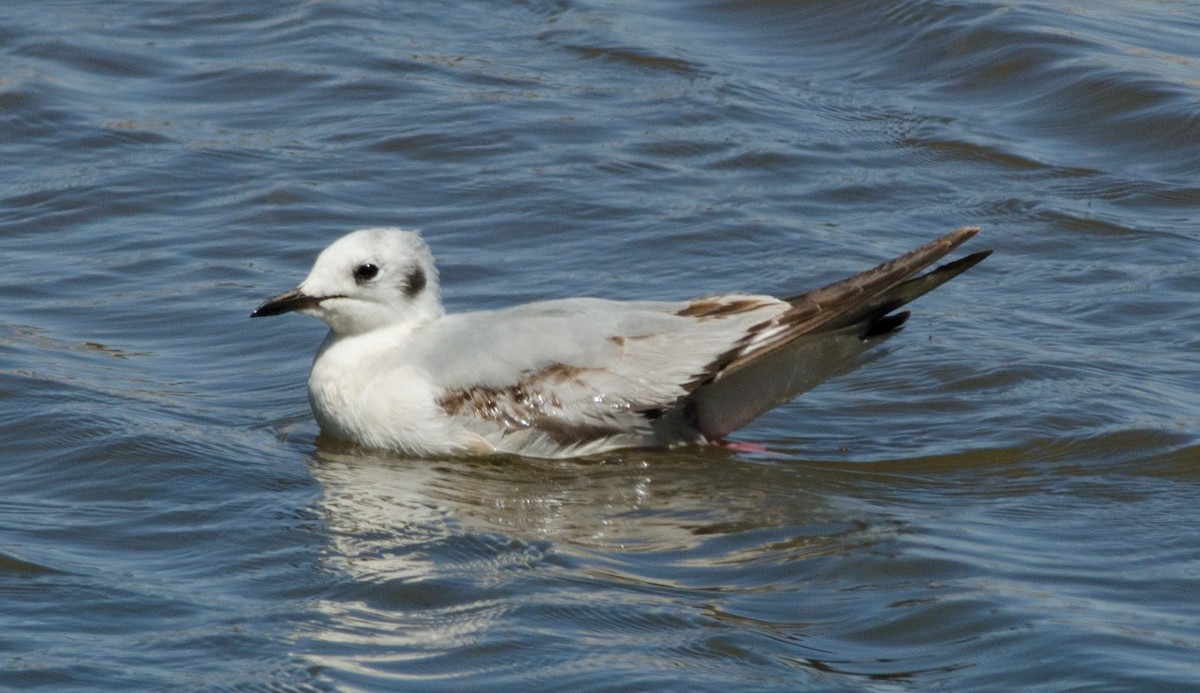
x,y
738,446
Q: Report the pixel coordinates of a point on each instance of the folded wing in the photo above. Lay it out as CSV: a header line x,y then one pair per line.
x,y
819,336
563,377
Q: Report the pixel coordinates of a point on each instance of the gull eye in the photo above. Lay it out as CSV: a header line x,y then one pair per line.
x,y
365,272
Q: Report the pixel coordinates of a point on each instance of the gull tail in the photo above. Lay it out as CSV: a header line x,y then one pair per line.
x,y
821,334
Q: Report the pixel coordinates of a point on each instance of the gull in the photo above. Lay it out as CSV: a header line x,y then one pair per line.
x,y
577,376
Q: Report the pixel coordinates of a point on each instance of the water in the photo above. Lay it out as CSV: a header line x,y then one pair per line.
x,y
1005,499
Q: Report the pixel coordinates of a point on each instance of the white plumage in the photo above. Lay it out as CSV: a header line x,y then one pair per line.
x,y
573,376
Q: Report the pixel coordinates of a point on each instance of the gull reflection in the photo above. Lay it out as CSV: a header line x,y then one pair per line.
x,y
439,561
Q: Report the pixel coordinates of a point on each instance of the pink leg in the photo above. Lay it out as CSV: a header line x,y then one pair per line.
x,y
738,446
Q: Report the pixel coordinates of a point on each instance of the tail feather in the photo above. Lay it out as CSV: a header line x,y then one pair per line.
x,y
826,329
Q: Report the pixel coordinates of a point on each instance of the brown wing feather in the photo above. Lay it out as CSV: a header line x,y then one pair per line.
x,y
817,337
870,294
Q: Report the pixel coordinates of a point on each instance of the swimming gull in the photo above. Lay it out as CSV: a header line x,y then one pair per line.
x,y
576,376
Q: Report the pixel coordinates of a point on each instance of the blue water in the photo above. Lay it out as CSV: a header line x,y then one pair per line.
x,y
1005,499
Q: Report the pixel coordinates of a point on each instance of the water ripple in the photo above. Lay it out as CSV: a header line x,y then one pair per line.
x,y
1002,498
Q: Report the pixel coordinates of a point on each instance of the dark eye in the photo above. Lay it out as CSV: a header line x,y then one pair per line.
x,y
365,272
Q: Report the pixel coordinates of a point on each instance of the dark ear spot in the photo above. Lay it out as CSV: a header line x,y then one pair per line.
x,y
414,283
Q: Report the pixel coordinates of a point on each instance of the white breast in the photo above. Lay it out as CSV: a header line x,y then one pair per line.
x,y
362,390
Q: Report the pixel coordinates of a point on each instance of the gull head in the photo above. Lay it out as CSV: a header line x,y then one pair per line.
x,y
365,281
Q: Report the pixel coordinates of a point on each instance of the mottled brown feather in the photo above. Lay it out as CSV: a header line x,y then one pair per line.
x,y
522,406
718,307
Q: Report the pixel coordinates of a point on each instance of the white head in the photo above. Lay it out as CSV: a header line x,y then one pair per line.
x,y
364,281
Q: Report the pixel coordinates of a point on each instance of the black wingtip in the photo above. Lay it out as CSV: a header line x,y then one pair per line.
x,y
884,321
919,286
963,263
885,324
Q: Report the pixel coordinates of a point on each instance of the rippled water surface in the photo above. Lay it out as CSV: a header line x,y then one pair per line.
x,y
1006,499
